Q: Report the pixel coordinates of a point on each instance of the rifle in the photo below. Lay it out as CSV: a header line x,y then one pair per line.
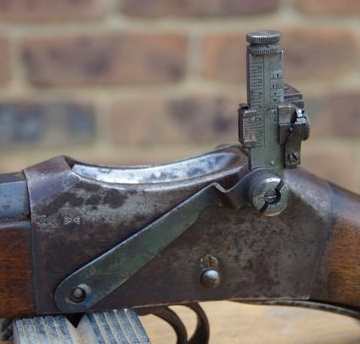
x,y
240,223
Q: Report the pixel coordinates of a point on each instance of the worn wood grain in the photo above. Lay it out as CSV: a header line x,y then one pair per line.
x,y
15,271
341,260
344,250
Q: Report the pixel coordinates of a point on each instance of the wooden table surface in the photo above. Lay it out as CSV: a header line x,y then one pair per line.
x,y
233,323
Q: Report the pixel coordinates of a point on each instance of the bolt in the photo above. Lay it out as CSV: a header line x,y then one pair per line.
x,y
268,194
78,294
210,278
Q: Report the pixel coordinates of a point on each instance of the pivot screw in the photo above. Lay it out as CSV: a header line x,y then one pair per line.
x,y
210,278
268,194
79,293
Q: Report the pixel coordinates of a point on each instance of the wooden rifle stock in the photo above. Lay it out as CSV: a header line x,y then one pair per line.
x,y
16,270
337,281
339,274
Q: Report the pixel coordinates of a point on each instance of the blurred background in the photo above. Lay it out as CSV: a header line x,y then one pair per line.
x,y
134,81
127,81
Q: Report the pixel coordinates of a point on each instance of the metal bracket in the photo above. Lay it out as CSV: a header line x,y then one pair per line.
x,y
272,125
294,127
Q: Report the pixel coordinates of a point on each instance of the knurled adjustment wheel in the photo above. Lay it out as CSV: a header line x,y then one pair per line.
x,y
263,37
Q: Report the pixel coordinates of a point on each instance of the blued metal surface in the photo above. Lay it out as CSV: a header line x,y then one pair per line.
x,y
14,200
183,170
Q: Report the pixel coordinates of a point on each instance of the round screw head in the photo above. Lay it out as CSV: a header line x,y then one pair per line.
x,y
78,294
268,194
210,278
263,37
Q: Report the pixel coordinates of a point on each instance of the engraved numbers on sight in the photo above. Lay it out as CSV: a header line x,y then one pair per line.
x,y
277,87
256,82
253,128
256,86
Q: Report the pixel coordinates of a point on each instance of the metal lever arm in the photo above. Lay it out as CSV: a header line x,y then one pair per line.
x,y
97,279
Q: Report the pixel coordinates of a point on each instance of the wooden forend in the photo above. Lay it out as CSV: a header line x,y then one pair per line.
x,y
15,270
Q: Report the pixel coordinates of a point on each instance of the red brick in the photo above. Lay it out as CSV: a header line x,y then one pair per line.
x,y
5,66
224,57
184,120
329,7
18,10
201,8
310,54
24,123
335,114
132,58
319,54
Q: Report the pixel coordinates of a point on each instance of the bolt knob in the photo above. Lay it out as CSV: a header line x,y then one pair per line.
x,y
263,37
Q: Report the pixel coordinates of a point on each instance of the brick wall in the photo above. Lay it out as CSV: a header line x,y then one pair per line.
x,y
119,81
